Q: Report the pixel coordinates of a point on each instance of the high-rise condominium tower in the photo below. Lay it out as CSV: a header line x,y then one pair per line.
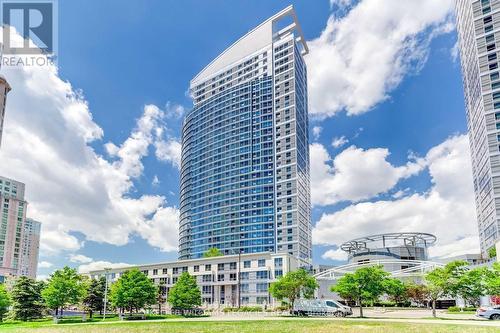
x,y
30,248
478,24
12,215
245,159
4,89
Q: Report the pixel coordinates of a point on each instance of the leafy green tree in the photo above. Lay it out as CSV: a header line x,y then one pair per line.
x,y
65,287
492,252
437,285
27,301
185,294
4,301
471,285
212,252
492,280
294,285
133,291
396,290
94,298
365,284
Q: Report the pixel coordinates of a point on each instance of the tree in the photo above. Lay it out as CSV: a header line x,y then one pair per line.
x,y
492,252
417,293
396,290
133,291
27,301
4,301
437,285
64,288
471,285
94,299
212,252
185,294
365,284
294,285
492,280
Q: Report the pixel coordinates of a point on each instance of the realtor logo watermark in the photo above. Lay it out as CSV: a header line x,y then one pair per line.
x,y
29,32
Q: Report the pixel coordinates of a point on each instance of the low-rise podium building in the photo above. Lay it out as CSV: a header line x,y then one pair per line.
x,y
229,280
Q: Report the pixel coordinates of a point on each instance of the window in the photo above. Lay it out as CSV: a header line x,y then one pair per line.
x,y
244,287
208,267
155,272
232,277
487,20
262,275
492,56
206,289
278,273
493,66
220,277
175,270
145,272
165,271
232,265
488,28
261,287
261,300
494,76
220,267
496,95
245,276
278,262
262,262
247,264
331,304
495,85
196,268
207,278
490,38
490,47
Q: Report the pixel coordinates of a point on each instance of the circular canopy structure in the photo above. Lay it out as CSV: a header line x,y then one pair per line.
x,y
405,238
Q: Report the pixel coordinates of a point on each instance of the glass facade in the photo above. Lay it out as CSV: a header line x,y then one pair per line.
x,y
245,158
478,24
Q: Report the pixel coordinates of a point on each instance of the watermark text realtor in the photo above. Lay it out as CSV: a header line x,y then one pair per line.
x,y
29,32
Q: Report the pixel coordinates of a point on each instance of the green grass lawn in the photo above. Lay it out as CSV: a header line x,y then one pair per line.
x,y
285,325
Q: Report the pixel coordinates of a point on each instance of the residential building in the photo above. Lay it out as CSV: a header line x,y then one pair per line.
x,y
245,184
229,280
13,214
4,89
478,25
19,236
30,248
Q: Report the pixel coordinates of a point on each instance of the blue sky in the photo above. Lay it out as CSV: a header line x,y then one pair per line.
x,y
119,56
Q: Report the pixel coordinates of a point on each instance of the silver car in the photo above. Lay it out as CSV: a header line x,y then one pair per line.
x,y
491,312
320,307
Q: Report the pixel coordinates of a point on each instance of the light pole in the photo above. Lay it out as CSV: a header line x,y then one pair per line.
x,y
106,270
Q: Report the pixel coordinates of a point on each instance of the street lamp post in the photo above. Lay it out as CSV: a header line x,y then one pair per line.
x,y
106,270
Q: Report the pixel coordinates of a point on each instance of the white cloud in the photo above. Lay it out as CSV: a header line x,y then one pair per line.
x,y
174,110
337,254
69,186
355,174
169,151
317,132
97,265
338,142
361,57
79,258
45,264
447,209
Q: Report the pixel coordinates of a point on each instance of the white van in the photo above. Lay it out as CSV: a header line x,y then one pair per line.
x,y
320,307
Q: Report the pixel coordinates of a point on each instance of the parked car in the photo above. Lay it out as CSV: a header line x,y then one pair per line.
x,y
490,312
320,307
